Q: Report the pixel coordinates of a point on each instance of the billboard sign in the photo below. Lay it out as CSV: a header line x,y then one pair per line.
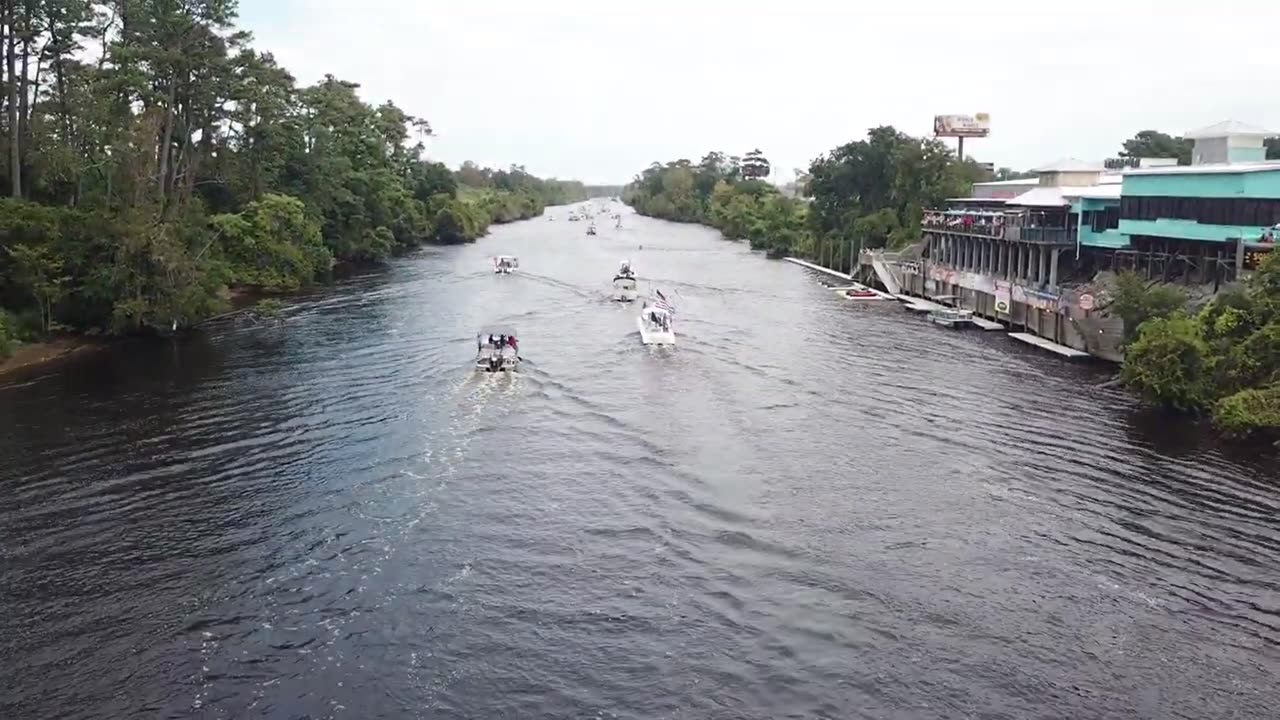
x,y
978,125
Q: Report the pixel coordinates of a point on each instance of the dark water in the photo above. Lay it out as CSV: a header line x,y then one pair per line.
x,y
810,509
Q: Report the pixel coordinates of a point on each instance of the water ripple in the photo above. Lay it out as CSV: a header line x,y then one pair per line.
x,y
811,508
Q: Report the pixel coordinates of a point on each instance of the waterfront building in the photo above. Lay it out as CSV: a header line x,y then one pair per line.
x,y
1028,258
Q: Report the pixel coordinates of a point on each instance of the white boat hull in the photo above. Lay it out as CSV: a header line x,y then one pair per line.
x,y
490,360
653,335
624,290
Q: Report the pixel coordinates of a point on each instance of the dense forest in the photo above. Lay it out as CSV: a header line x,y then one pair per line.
x,y
152,159
868,193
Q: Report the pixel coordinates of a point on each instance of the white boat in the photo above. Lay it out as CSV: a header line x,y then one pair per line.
x,y
505,264
656,323
950,317
624,283
497,350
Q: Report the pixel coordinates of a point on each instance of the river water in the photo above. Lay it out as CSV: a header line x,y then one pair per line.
x,y
811,508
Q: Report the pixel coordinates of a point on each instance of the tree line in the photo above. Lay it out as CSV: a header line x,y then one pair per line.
x,y
869,193
152,158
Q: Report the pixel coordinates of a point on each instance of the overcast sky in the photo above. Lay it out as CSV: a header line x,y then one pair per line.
x,y
598,90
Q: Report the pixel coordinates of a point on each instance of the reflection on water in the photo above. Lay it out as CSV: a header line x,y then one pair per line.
x,y
811,508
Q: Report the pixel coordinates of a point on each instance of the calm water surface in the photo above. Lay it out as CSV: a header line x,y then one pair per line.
x,y
811,509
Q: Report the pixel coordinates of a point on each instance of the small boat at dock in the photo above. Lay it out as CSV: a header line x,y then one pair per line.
x,y
950,317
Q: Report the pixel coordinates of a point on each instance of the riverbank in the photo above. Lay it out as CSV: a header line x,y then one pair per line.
x,y
28,357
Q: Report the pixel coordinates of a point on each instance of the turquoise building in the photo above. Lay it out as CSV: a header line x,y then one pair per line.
x,y
1221,206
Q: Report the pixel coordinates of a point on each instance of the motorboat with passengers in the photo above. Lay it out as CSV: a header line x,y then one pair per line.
x,y
591,229
656,321
497,350
624,283
505,264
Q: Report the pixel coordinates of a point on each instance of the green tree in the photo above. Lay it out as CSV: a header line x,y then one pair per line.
x,y
39,270
1155,144
1136,301
1169,363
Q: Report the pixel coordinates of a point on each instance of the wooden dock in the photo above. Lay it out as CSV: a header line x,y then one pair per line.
x,y
1049,345
985,324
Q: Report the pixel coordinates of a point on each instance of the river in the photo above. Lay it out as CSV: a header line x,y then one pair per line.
x,y
811,508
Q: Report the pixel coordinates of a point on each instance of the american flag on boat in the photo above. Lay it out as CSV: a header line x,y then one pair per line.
x,y
661,301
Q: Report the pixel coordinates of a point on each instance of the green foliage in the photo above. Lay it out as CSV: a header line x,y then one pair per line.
x,y
1169,363
8,335
1224,359
1137,301
269,308
1249,411
866,194
1155,144
273,244
726,194
154,157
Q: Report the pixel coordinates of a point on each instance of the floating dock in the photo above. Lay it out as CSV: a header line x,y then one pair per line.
x,y
819,268
1049,345
841,290
986,324
919,305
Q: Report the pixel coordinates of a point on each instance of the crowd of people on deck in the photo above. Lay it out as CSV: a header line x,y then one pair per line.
x,y
970,221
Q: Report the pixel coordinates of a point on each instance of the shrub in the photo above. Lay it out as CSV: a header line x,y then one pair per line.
x,y
1249,411
1170,363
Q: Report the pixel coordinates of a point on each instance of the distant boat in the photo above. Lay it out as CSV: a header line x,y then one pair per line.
x,y
624,283
505,264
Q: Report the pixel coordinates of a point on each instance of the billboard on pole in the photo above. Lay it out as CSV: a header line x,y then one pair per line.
x,y
978,125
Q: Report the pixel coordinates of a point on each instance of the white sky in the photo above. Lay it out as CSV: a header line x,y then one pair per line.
x,y
598,90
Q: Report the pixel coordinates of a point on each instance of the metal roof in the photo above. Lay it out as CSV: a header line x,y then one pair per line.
x,y
1070,165
1040,197
1009,183
1230,128
1210,169
1093,192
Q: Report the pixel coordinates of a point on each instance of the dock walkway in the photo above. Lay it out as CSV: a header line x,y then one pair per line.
x,y
986,324
819,268
1049,345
